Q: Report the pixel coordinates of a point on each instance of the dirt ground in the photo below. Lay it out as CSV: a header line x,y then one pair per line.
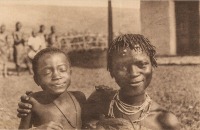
x,y
174,87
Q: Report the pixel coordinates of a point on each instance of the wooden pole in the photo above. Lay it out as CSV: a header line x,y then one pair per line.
x,y
110,26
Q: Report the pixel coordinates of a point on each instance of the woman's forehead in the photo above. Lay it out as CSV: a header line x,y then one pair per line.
x,y
128,53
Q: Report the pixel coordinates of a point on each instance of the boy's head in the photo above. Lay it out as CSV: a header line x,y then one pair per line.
x,y
52,70
130,61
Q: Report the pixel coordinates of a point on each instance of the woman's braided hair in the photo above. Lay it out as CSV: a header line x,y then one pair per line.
x,y
130,41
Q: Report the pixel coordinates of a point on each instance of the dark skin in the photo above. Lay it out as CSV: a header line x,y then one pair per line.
x,y
133,73
18,35
53,76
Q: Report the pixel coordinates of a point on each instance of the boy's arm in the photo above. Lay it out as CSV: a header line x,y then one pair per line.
x,y
26,122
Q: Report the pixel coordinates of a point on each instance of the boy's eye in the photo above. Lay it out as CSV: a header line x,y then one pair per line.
x,y
63,68
46,71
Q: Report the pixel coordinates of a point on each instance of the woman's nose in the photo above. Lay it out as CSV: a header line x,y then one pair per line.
x,y
134,71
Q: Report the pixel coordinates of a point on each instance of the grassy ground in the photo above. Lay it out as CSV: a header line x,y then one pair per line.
x,y
174,87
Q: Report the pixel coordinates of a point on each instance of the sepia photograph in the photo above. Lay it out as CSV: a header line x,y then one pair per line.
x,y
100,64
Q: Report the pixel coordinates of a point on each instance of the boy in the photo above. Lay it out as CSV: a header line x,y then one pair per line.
x,y
131,59
53,107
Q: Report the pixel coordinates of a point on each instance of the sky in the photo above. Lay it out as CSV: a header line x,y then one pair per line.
x,y
94,3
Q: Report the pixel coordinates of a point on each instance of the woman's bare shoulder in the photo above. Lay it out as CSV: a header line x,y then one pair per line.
x,y
165,118
101,93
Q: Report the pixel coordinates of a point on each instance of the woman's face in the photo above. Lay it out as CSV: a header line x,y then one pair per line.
x,y
132,71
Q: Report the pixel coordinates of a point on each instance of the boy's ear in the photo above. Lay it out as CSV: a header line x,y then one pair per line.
x,y
36,79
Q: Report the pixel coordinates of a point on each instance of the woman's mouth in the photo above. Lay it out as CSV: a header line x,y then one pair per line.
x,y
135,83
58,85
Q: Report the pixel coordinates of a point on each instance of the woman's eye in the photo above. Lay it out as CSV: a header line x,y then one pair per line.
x,y
124,68
143,64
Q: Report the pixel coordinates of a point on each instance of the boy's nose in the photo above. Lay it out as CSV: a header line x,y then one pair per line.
x,y
56,75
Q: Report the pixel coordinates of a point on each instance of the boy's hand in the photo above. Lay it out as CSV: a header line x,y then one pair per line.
x,y
24,106
50,126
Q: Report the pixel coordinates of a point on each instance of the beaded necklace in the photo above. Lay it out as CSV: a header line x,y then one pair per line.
x,y
130,109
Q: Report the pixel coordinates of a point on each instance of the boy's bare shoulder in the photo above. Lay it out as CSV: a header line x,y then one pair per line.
x,y
38,96
80,96
165,118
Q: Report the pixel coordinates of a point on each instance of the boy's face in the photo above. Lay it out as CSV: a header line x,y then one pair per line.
x,y
132,71
54,73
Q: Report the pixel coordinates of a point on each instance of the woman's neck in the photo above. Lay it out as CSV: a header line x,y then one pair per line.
x,y
132,100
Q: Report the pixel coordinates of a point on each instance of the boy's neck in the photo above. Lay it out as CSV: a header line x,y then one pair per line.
x,y
132,100
53,97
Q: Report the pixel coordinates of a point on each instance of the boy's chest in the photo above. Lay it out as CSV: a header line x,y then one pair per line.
x,y
68,115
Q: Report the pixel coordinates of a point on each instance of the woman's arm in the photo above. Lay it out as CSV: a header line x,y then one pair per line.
x,y
24,106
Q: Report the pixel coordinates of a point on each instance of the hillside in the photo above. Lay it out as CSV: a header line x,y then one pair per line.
x,y
66,18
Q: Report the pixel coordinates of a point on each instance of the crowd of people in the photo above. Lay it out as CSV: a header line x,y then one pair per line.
x,y
21,47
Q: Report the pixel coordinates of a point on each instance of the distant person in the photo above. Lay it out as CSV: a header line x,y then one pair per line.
x,y
53,38
55,107
19,49
3,50
43,36
35,44
10,42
